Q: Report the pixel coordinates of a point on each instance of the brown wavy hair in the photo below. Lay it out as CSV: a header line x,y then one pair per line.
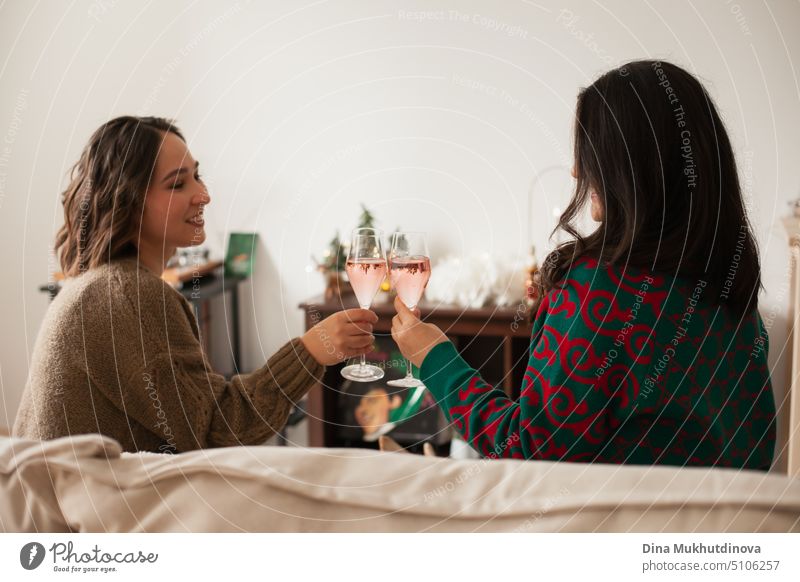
x,y
650,143
104,200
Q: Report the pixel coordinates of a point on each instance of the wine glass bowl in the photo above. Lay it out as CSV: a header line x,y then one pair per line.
x,y
366,276
409,277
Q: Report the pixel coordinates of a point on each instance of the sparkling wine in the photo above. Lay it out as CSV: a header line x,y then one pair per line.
x,y
366,276
409,276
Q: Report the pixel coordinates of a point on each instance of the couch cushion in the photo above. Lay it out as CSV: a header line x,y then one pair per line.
x,y
29,471
293,489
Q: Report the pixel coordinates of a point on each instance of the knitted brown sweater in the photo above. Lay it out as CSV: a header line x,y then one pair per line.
x,y
119,354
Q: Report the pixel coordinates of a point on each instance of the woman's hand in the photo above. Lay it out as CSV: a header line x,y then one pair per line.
x,y
342,335
414,338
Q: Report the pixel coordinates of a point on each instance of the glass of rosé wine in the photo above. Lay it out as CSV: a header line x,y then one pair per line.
x,y
409,272
366,269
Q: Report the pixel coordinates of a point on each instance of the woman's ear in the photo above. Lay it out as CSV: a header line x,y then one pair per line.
x,y
597,208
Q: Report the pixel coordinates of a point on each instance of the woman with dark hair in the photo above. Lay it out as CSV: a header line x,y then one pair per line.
x,y
119,351
647,346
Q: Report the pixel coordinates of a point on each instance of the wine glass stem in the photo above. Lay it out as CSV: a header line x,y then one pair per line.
x,y
409,375
363,366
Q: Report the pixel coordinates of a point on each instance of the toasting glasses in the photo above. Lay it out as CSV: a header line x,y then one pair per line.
x,y
366,269
409,272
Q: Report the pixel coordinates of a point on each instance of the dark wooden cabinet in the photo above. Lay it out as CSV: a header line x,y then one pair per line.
x,y
494,340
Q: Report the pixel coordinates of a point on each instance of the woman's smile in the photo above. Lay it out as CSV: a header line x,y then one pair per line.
x,y
197,219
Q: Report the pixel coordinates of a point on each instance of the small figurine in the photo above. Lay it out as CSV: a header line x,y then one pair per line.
x,y
379,412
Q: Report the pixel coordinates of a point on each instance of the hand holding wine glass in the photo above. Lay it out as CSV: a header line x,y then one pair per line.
x,y
342,335
366,269
415,338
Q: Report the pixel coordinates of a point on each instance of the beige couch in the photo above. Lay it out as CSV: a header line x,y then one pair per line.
x,y
85,483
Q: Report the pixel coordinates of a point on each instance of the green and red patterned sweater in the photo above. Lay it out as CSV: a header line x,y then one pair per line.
x,y
625,366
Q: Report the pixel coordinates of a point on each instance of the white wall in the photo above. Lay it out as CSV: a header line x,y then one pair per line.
x,y
299,111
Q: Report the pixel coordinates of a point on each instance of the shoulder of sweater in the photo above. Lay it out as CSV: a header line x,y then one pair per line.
x,y
121,279
589,270
601,274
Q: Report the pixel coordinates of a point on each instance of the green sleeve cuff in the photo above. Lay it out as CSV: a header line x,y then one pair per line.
x,y
442,368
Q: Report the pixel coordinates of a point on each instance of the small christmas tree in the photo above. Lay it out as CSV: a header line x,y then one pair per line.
x,y
334,257
367,219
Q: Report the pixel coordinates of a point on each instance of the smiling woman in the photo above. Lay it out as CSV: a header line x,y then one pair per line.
x,y
119,351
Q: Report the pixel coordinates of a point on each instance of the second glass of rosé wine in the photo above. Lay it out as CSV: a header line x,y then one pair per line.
x,y
409,272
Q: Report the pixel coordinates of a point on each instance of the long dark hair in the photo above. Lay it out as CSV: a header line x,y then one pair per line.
x,y
650,143
103,202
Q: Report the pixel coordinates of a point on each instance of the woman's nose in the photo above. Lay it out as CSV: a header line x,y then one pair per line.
x,y
202,199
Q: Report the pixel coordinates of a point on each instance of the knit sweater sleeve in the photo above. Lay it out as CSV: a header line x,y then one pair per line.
x,y
562,410
157,374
